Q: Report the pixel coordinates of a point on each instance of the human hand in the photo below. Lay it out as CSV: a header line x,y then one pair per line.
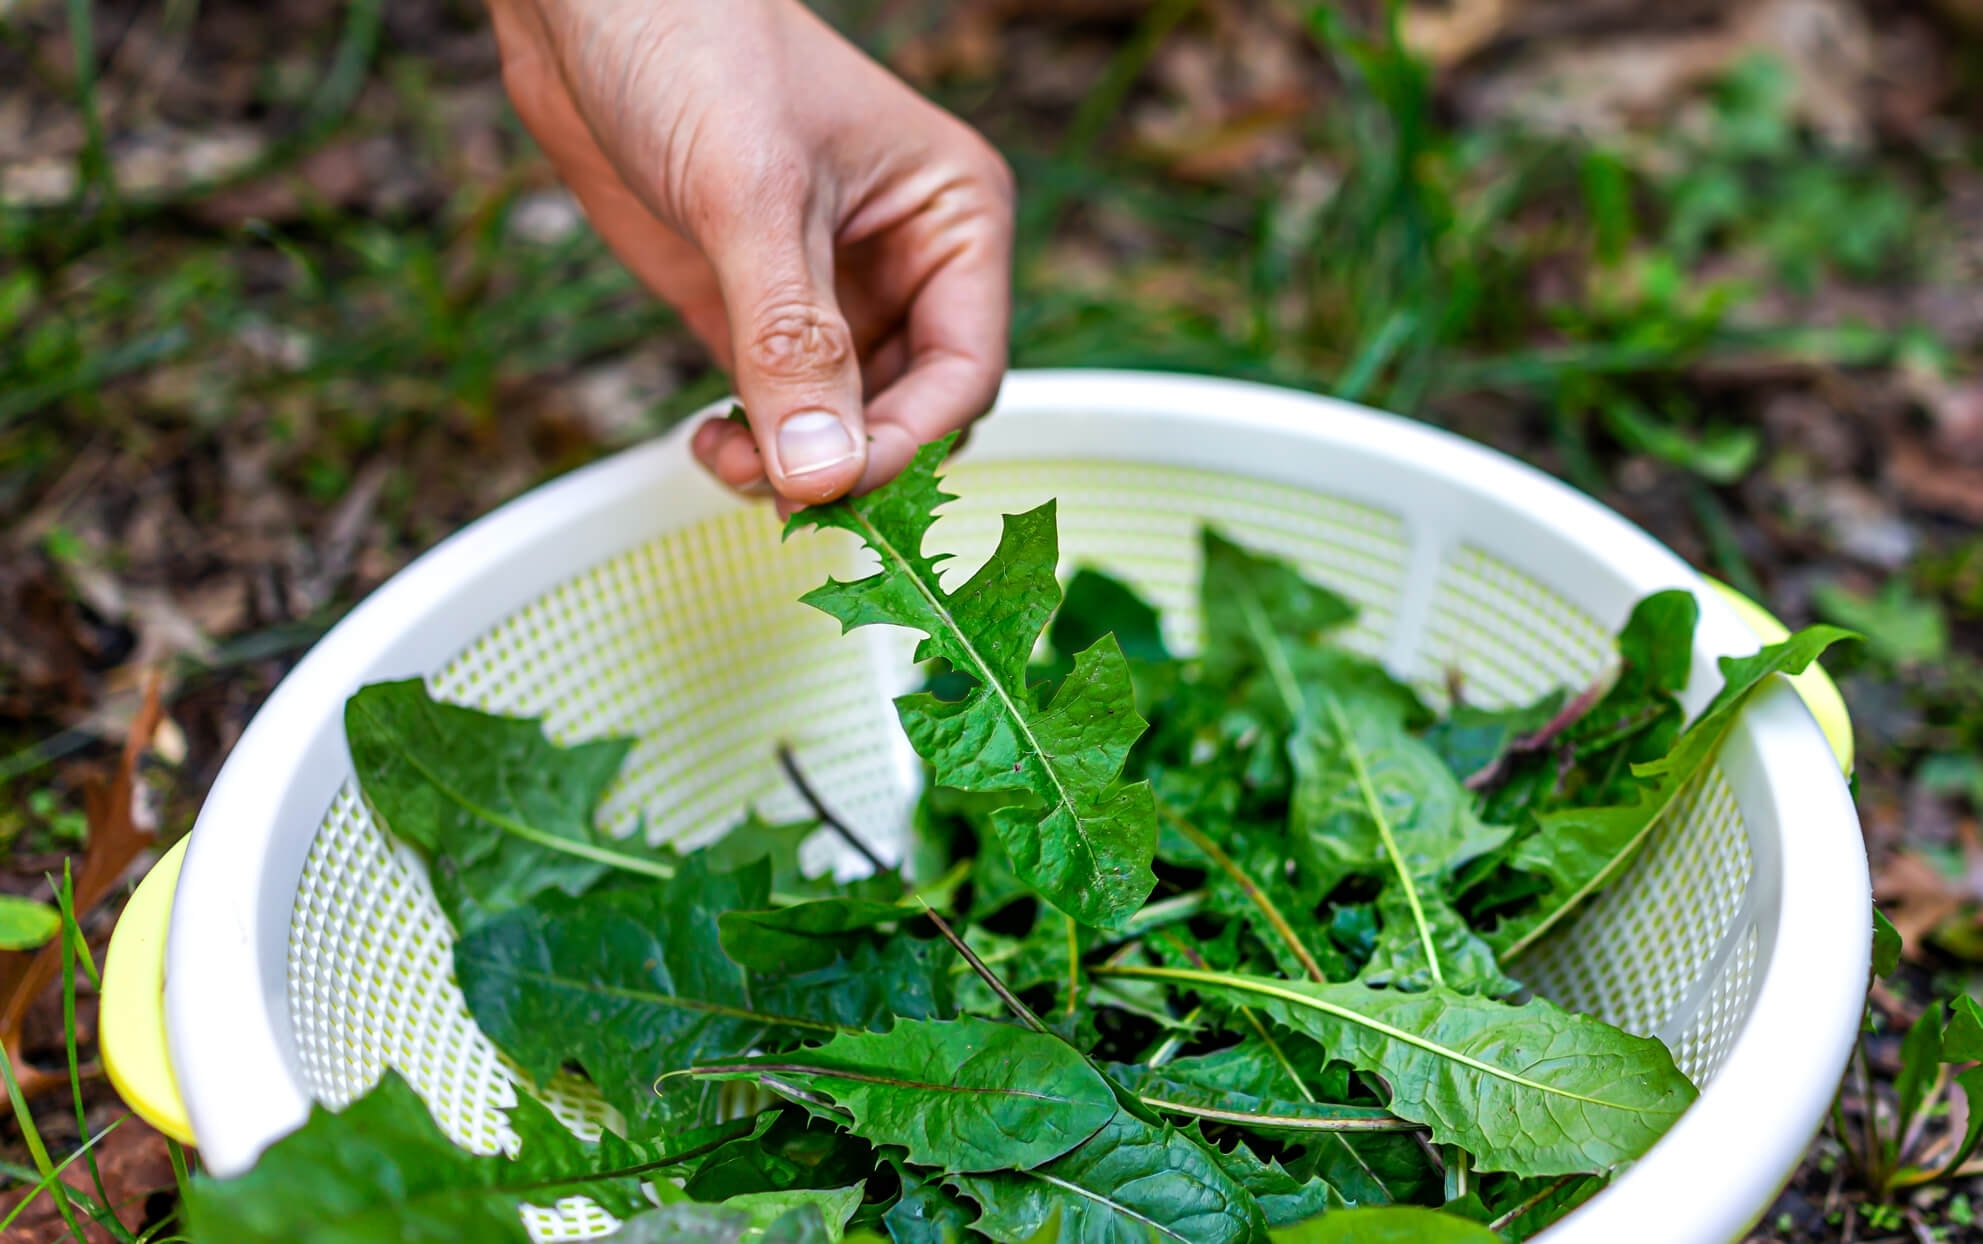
x,y
829,234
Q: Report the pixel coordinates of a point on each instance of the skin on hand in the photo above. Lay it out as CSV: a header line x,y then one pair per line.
x,y
841,245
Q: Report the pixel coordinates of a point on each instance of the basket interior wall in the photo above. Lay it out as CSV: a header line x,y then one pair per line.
x,y
695,645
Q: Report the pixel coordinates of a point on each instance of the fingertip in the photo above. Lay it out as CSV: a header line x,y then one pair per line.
x,y
726,451
736,461
730,453
707,440
819,455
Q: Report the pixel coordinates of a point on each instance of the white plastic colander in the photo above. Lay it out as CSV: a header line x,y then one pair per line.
x,y
636,597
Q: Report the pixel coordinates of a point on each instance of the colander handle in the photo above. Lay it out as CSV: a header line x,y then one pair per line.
x,y
131,1015
1819,692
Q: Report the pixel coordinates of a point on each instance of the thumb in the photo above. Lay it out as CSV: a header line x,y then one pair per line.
x,y
796,367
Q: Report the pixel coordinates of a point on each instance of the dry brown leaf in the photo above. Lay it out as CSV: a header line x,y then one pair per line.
x,y
1231,93
966,47
1958,414
337,175
165,630
1444,36
160,159
1916,897
1920,898
165,626
1806,423
1913,77
612,399
77,480
156,529
38,182
116,836
967,42
1237,145
1936,483
1852,519
1607,87
16,126
339,536
43,644
1828,47
1595,89
134,1162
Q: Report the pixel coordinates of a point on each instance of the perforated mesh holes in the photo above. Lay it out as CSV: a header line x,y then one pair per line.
x,y
1706,1041
1509,636
1641,948
371,985
695,644
1640,954
1141,523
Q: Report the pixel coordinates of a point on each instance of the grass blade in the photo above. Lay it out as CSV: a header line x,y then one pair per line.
x,y
1252,890
72,935
94,371
48,1181
94,161
31,1135
1373,358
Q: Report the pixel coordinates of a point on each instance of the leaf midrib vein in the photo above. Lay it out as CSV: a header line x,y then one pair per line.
x,y
1301,1086
937,603
1099,1199
1269,990
1374,807
509,824
1663,796
1376,1121
659,869
1269,642
863,1077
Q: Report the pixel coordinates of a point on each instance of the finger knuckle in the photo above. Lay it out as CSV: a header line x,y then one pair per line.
x,y
794,339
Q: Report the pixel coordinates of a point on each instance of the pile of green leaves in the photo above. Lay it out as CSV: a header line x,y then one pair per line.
x,y
1221,950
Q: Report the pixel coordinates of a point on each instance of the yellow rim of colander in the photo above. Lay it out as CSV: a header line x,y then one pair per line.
x,y
132,1016
1819,692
